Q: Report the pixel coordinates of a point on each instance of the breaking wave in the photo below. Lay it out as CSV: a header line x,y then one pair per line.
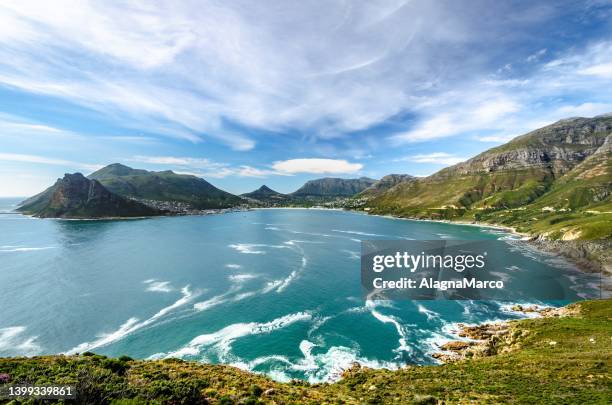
x,y
132,325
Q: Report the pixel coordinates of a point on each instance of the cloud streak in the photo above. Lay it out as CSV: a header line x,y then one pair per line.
x,y
16,157
317,166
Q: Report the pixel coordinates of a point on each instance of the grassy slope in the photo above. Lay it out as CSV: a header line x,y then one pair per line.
x,y
575,370
519,197
163,186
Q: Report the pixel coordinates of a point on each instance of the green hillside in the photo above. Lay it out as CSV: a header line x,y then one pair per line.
x,y
163,186
555,180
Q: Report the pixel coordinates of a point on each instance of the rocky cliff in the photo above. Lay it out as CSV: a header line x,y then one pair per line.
x,y
75,196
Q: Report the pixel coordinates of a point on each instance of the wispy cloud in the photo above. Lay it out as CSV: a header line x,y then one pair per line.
x,y
441,158
188,69
317,166
202,167
16,157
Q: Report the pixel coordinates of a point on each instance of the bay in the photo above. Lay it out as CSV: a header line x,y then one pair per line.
x,y
275,291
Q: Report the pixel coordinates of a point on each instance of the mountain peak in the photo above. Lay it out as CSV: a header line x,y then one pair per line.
x,y
76,196
115,169
265,189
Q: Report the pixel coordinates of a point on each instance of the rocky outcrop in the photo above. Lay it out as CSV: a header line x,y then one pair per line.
x,y
557,147
75,196
489,339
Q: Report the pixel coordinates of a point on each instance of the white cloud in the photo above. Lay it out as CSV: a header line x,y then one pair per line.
x,y
316,166
460,113
11,125
584,110
185,68
603,70
441,158
17,157
537,55
494,138
202,167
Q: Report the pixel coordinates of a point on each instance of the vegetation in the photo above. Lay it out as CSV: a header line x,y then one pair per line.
x,y
550,360
555,182
163,186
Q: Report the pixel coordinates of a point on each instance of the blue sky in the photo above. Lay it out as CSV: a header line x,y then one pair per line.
x,y
244,93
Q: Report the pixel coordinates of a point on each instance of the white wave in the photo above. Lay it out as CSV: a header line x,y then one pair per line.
x,y
358,233
292,276
294,241
24,249
279,375
328,366
431,315
252,248
12,342
233,266
247,249
238,281
222,340
158,286
132,325
250,365
401,331
508,308
242,277
216,300
352,254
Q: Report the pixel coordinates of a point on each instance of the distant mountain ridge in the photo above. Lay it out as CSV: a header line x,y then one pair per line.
x,y
75,196
266,195
333,187
163,186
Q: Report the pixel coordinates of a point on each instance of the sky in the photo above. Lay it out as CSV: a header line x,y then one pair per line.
x,y
247,93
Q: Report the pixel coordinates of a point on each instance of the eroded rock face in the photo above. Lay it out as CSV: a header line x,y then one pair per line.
x,y
74,190
75,196
558,147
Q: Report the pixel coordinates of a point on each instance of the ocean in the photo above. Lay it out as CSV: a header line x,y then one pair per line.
x,y
275,291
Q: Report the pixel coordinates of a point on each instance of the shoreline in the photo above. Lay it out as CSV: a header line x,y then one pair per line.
x,y
579,257
484,339
526,353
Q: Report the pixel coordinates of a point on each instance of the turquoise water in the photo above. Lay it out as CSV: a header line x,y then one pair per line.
x,y
274,291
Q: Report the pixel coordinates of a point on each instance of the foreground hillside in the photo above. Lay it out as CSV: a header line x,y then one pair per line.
x,y
548,360
555,182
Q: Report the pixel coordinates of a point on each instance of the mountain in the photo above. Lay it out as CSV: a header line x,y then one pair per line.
x,y
386,183
267,195
75,196
163,186
533,182
332,187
